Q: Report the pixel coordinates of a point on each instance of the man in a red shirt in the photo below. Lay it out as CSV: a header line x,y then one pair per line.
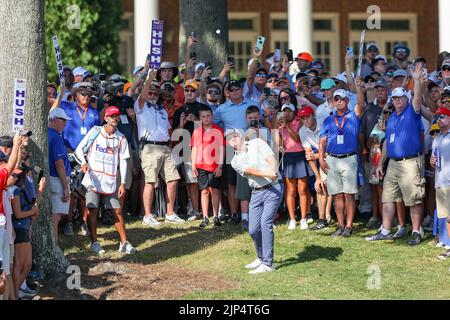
x,y
207,159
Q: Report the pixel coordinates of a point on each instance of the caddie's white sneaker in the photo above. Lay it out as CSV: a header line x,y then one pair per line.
x,y
254,264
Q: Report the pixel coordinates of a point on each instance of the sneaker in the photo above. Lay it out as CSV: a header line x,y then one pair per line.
x,y
292,224
321,224
24,295
309,218
216,221
379,236
204,223
245,225
262,268
444,255
150,221
127,248
427,221
303,224
97,248
174,218
347,232
339,231
414,239
235,219
401,232
440,245
28,292
85,229
254,264
193,216
373,223
68,229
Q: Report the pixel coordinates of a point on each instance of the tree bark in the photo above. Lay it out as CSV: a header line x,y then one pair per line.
x,y
206,18
22,56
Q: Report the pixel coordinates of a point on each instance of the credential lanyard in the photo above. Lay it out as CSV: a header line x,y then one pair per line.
x,y
340,127
82,117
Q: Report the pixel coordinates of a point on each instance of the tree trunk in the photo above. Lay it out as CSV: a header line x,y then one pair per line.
x,y
22,56
209,20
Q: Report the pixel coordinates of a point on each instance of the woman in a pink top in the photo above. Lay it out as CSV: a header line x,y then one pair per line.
x,y
295,171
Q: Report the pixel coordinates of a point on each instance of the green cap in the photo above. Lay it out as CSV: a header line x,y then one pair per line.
x,y
327,84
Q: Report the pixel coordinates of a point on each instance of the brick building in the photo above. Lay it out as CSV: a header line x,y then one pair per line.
x,y
324,28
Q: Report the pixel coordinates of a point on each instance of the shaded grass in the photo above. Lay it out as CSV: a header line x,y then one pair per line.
x,y
310,265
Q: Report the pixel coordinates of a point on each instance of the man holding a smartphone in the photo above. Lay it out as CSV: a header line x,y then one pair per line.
x,y
256,78
372,51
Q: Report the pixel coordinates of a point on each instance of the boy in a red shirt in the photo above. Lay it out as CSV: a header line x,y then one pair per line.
x,y
207,144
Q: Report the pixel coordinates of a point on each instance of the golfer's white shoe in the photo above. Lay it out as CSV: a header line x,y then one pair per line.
x,y
254,264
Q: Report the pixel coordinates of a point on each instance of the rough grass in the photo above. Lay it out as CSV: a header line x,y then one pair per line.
x,y
310,265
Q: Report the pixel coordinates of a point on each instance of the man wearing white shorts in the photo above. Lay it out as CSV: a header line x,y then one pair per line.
x,y
59,167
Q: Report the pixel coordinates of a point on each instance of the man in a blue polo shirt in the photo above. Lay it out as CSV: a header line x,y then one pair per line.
x,y
404,178
232,115
59,167
83,116
339,139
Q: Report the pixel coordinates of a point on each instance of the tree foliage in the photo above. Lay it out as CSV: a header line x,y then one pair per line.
x,y
92,43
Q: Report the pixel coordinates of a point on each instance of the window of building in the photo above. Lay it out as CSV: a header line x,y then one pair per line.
x,y
126,48
325,37
243,31
395,28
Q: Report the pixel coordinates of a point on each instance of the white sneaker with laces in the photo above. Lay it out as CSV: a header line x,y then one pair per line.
x,y
262,268
150,221
254,264
193,216
292,224
174,218
127,248
440,245
97,248
303,224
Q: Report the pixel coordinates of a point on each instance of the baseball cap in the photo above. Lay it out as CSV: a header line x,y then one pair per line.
x,y
327,84
259,70
234,83
432,85
341,77
446,63
199,65
443,111
112,111
79,71
419,59
379,57
399,92
317,64
191,83
341,93
381,83
305,111
300,74
434,129
372,45
59,113
6,141
137,69
305,56
400,73
288,106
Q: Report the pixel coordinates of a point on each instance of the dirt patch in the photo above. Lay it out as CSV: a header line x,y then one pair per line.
x,y
109,280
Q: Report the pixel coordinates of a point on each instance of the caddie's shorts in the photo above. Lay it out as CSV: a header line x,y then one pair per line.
x,y
110,201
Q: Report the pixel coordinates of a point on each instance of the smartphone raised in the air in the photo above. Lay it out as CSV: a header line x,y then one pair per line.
x,y
290,55
260,42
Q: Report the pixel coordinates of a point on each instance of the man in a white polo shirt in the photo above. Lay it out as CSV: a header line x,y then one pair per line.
x,y
156,155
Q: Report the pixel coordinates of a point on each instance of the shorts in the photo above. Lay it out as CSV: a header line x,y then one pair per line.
x,y
343,175
110,201
243,190
22,235
207,179
57,192
188,175
158,160
404,180
231,174
442,202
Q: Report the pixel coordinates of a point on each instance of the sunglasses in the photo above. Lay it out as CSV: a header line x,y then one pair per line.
x,y
446,69
234,89
439,117
189,91
400,51
445,101
261,75
213,92
85,94
338,98
285,98
272,80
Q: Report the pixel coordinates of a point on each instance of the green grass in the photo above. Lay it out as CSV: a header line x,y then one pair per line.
x,y
310,265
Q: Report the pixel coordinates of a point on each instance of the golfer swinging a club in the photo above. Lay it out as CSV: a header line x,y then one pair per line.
x,y
255,160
